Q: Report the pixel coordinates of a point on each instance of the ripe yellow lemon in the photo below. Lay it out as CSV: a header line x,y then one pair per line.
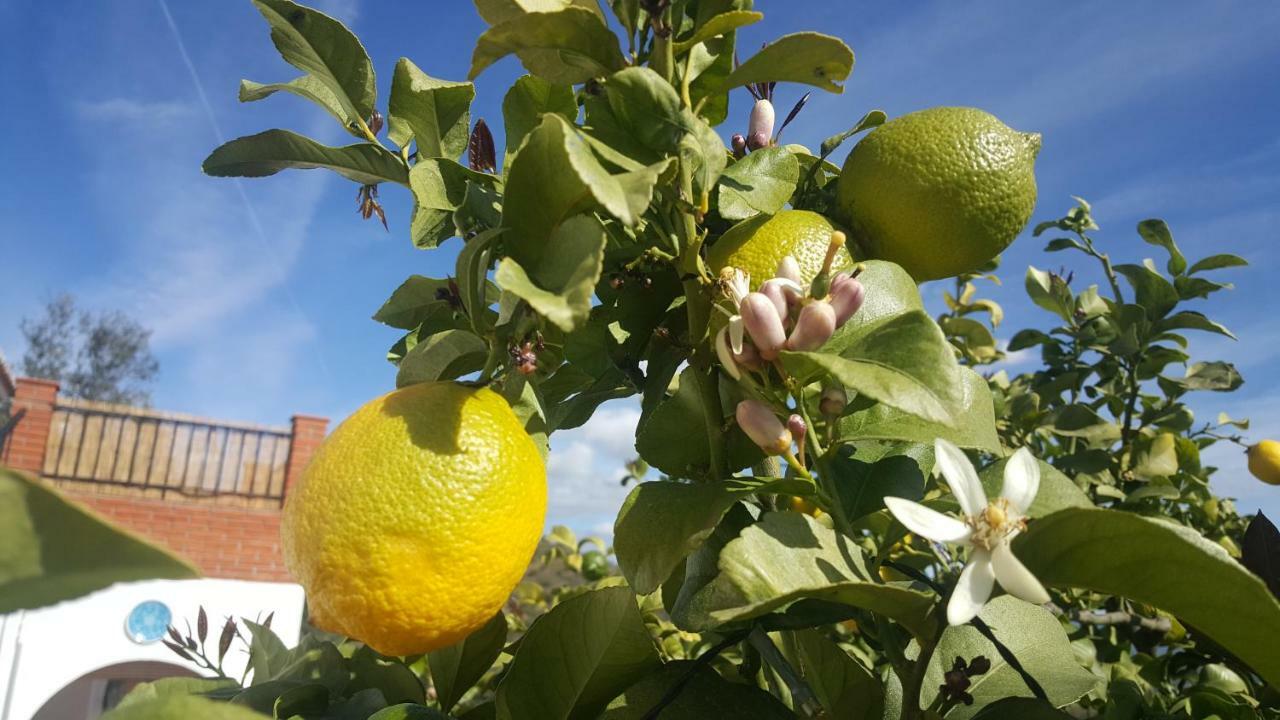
x,y
940,191
1264,461
416,518
758,244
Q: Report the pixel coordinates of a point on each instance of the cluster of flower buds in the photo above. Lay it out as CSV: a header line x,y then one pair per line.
x,y
783,314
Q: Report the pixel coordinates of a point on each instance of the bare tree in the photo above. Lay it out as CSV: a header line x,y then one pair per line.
x,y
95,356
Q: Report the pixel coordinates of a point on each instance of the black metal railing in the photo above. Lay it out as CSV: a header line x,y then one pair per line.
x,y
188,457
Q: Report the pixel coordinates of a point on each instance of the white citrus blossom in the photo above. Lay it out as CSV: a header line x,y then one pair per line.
x,y
986,528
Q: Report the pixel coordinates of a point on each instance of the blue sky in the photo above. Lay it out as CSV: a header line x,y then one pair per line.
x,y
260,293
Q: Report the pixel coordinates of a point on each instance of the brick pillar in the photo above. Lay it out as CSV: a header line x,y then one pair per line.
x,y
308,433
25,447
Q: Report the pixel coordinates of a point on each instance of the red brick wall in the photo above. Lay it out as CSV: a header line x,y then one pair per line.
x,y
25,446
222,541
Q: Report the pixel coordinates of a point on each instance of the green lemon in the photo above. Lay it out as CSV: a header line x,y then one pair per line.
x,y
940,191
758,244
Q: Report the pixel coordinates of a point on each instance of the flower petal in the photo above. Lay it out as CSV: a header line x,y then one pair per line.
x,y
1021,480
1014,577
972,590
927,523
726,356
735,334
961,476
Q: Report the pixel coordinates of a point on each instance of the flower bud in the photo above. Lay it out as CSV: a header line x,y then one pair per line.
x,y
833,401
763,427
726,354
764,325
774,290
797,428
847,295
789,269
814,327
760,126
739,145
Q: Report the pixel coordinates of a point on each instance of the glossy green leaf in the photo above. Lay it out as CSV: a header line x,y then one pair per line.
x,y
704,694
43,538
1149,561
554,177
871,120
570,45
903,361
718,25
412,303
1050,292
526,102
267,654
440,188
1033,635
339,75
662,522
1156,232
408,711
561,284
637,113
391,678
1191,320
1153,292
975,425
444,356
673,438
1083,421
807,57
1217,262
267,153
182,707
434,114
1216,376
890,292
1021,709
844,687
879,469
145,692
458,667
577,658
790,556
761,182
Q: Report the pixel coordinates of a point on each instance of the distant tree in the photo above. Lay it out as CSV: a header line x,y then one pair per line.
x,y
95,356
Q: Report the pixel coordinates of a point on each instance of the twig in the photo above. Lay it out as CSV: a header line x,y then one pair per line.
x,y
701,661
1117,617
802,696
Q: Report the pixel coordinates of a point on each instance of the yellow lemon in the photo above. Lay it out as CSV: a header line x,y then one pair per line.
x,y
416,518
758,244
940,191
1264,461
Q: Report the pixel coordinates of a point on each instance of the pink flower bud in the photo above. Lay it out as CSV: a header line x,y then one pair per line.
x,y
773,290
833,401
790,269
847,295
763,324
814,327
749,358
763,427
797,428
760,126
739,145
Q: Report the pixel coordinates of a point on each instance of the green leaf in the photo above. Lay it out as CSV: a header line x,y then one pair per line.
x,y
673,438
1083,421
554,177
267,654
638,114
434,114
314,661
471,270
267,153
560,285
808,57
43,538
330,55
444,356
844,687
872,119
408,711
307,87
577,658
392,679
181,707
1149,561
1050,292
570,45
790,556
1021,709
864,478
440,187
761,182
703,694
721,24
1217,262
662,522
527,101
1156,232
1217,376
456,668
145,692
903,361
1057,491
1154,293
1191,320
1034,636
412,303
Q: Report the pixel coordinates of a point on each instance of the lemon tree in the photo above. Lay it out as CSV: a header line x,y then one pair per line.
x,y
851,520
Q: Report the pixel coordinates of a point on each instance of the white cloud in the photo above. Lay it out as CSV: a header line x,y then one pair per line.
x,y
586,466
135,110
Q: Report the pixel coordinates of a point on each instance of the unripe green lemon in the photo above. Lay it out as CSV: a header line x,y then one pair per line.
x,y
758,244
940,191
1264,461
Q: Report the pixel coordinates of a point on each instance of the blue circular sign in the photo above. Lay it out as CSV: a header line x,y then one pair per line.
x,y
148,622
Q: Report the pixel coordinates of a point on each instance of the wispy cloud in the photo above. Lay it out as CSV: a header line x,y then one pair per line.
x,y
135,110
586,465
